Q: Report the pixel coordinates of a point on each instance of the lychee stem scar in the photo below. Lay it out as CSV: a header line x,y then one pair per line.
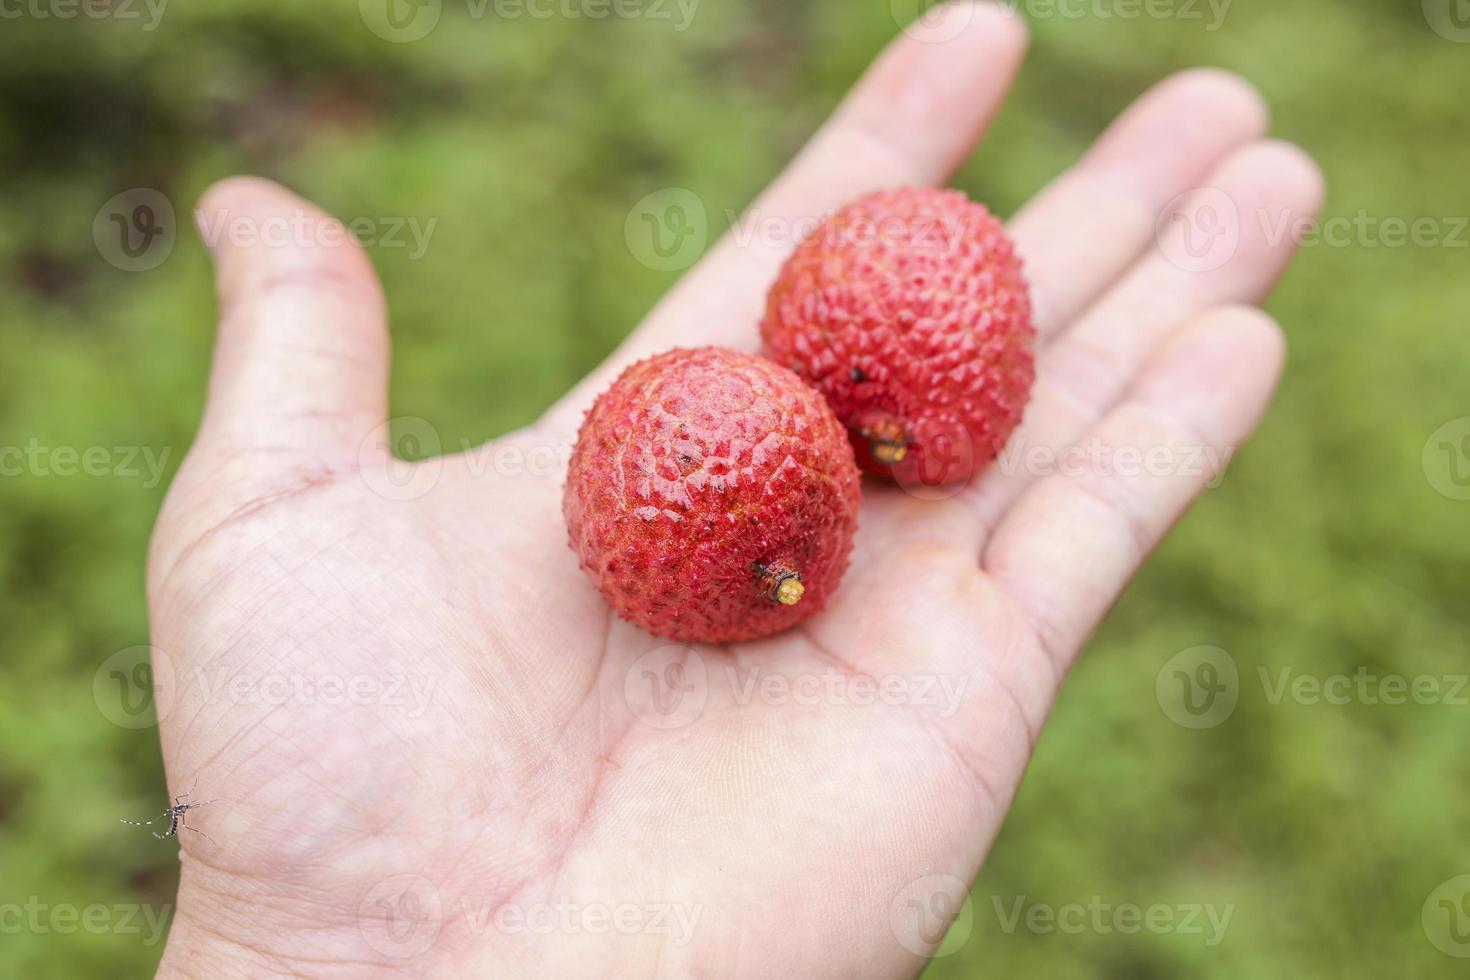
x,y
781,582
886,452
888,443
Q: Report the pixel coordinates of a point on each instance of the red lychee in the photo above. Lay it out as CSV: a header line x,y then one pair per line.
x,y
712,496
908,311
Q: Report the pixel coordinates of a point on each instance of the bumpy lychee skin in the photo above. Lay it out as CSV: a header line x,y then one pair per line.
x,y
712,496
908,311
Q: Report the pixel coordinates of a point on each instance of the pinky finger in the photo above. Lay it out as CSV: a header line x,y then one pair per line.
x,y
1070,544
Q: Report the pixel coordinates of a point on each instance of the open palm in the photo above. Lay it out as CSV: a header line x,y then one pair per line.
x,y
434,749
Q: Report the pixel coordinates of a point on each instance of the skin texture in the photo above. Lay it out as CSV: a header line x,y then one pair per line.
x,y
702,484
534,775
908,311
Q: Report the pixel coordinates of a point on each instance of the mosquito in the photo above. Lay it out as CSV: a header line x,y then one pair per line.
x,y
174,818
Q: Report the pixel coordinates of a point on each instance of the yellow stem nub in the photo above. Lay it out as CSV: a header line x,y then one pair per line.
x,y
887,453
781,582
790,591
888,443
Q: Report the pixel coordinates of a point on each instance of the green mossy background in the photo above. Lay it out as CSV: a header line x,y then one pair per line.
x,y
1326,550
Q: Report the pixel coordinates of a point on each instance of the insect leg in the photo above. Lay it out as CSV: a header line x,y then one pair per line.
x,y
199,832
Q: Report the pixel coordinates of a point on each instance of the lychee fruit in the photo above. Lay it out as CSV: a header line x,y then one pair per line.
x,y
712,496
908,311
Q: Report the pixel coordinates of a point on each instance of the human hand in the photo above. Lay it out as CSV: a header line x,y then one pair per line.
x,y
552,766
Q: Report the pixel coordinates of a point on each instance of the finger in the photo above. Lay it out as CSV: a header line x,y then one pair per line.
x,y
301,363
913,117
1089,367
1268,187
1090,224
1069,545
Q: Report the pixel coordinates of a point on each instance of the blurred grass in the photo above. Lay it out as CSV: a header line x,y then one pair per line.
x,y
528,141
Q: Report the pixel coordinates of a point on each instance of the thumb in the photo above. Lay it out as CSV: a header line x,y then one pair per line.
x,y
301,362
